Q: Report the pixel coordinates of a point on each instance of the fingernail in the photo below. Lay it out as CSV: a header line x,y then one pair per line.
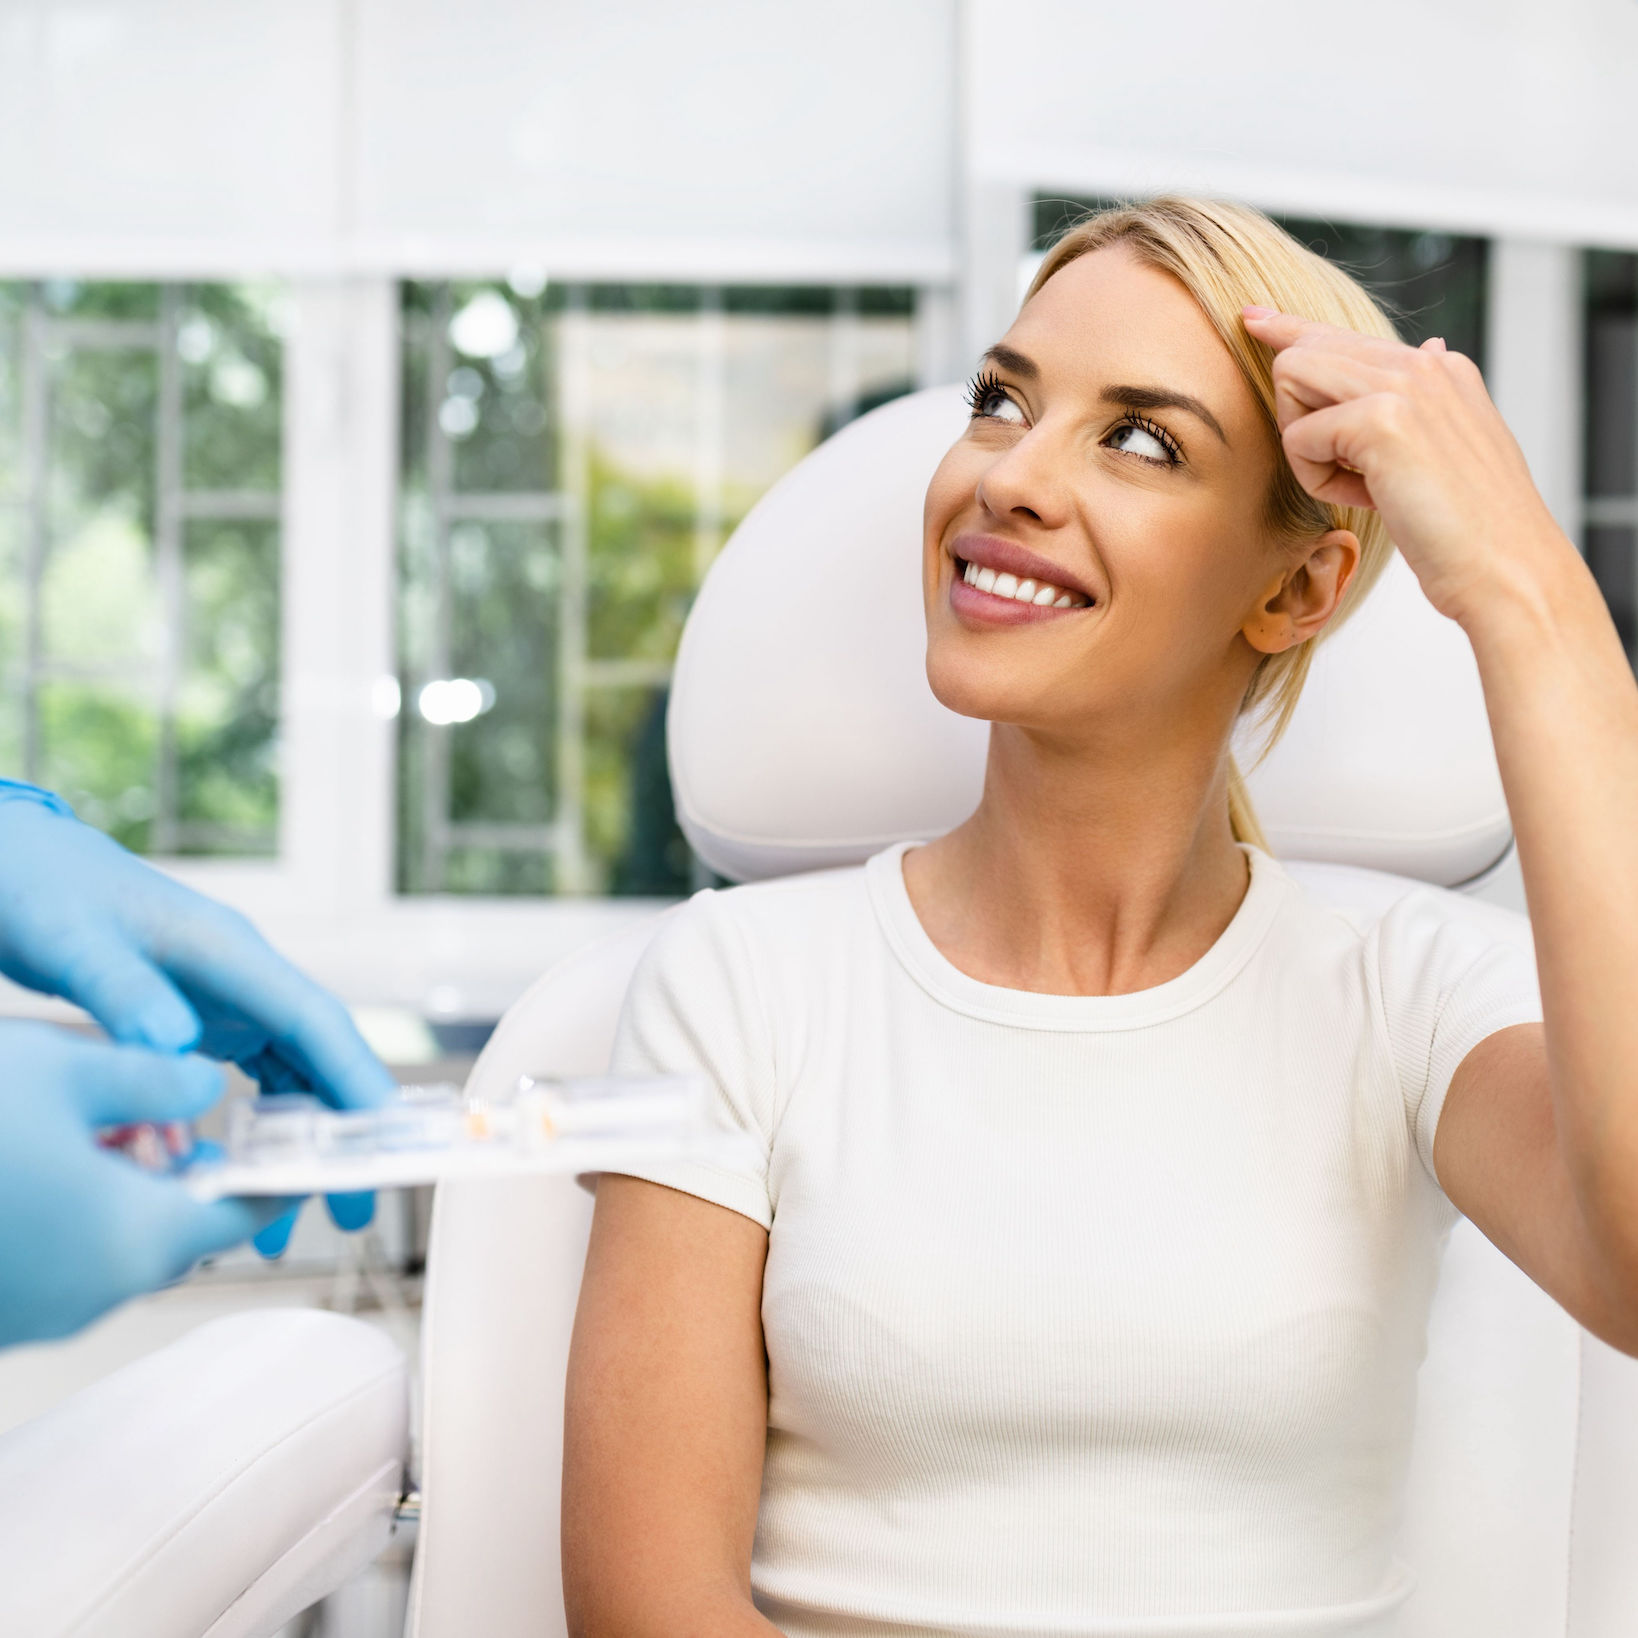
x,y
1259,312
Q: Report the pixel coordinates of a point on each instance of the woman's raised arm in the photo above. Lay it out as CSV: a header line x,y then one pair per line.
x,y
666,1420
1538,1141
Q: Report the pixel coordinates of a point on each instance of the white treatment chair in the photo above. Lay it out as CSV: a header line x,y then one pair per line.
x,y
213,1489
803,734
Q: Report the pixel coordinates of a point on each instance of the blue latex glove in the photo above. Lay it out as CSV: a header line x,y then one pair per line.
x,y
160,966
82,1228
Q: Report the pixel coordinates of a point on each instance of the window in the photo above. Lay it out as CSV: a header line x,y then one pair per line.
x,y
1433,284
139,556
1610,537
574,457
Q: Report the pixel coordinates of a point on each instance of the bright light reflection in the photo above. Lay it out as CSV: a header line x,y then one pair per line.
x,y
386,697
527,281
454,699
484,327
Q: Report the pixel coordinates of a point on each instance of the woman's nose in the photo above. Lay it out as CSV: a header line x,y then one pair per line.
x,y
1025,481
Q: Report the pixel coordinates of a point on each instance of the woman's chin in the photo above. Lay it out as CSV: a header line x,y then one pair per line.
x,y
972,691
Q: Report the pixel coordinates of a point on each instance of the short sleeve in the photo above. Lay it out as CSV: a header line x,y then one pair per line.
x,y
693,1007
1450,977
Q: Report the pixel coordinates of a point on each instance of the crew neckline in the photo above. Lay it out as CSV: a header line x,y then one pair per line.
x,y
948,985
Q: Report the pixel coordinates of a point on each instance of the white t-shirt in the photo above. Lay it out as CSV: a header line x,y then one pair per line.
x,y
1084,1315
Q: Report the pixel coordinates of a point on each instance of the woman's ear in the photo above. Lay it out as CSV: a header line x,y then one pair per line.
x,y
1298,604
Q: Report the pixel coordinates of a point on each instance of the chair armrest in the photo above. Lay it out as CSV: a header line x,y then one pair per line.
x,y
211,1490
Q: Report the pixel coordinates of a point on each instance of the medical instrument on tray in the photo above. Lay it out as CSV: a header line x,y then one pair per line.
x,y
291,1144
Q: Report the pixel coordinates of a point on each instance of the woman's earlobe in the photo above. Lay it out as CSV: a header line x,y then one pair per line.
x,y
1270,629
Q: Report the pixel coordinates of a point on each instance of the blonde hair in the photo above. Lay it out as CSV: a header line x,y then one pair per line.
x,y
1228,257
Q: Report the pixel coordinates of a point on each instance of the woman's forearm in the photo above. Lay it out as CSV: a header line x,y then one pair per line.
x,y
676,1614
1564,715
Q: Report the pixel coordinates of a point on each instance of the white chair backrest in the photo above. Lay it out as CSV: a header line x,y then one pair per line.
x,y
802,734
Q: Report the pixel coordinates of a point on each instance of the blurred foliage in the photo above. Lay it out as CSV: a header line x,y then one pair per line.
x,y
504,630
98,732
640,562
100,299
227,715
11,392
100,747
229,340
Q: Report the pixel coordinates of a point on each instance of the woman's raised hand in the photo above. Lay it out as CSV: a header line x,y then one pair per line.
x,y
1411,431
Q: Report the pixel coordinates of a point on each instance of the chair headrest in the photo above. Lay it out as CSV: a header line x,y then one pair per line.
x,y
803,735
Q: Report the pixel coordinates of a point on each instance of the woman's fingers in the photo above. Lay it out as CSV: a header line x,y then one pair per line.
x,y
1329,448
1309,378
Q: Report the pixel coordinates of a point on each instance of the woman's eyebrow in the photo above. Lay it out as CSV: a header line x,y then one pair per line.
x,y
1009,358
1149,398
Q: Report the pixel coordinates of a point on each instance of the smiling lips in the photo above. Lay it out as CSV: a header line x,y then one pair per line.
x,y
1042,595
1004,591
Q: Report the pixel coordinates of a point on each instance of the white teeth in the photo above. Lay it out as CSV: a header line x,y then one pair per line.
x,y
1036,592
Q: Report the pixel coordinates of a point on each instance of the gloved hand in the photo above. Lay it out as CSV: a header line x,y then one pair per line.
x,y
81,1227
160,966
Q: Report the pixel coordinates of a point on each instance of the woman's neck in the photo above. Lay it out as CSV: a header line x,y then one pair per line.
x,y
1085,871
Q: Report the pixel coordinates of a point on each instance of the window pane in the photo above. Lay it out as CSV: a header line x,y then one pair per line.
x,y
227,340
99,746
13,657
139,555
11,392
100,299
631,427
631,828
1611,432
1612,555
99,607
228,698
479,725
1612,374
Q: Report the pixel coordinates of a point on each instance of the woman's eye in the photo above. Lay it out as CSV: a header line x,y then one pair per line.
x,y
995,405
1135,440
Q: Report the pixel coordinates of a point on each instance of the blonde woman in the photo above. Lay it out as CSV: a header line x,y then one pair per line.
x,y
1081,1283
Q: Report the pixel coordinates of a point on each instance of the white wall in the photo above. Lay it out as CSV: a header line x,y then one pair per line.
x,y
1484,116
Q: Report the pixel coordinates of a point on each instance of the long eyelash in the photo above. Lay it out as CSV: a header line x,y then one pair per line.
x,y
1155,431
980,388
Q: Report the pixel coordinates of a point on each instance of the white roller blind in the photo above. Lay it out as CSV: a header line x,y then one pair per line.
x,y
168,136
727,135
721,138
1493,116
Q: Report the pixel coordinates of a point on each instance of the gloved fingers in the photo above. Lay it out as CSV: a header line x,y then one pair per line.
x,y
274,1236
351,1212
228,964
121,1085
129,996
202,1228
